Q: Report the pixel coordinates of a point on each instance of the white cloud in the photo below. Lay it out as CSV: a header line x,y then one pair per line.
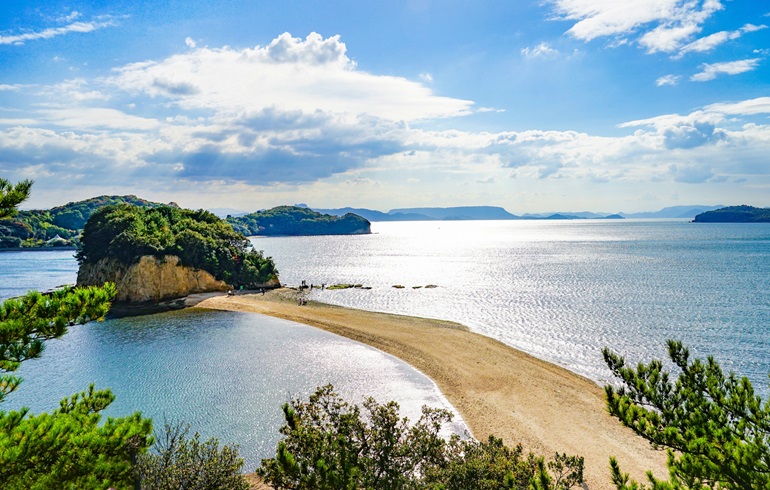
x,y
20,121
486,180
289,74
665,24
298,114
668,38
73,90
710,42
692,148
90,118
70,17
683,132
190,42
667,80
760,105
77,27
542,50
426,77
711,70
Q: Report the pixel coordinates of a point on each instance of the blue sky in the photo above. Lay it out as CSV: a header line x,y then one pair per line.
x,y
538,106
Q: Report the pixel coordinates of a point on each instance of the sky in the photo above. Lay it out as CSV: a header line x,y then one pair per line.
x,y
535,106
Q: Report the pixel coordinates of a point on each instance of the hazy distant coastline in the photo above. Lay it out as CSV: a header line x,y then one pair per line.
x,y
459,213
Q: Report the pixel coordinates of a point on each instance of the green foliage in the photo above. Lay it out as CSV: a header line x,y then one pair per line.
x,y
200,239
715,429
292,221
330,444
11,195
181,462
35,227
491,465
9,242
68,448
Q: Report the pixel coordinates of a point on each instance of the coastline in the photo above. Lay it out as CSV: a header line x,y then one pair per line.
x,y
495,388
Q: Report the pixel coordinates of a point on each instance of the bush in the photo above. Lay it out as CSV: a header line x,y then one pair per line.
x,y
10,242
330,444
180,462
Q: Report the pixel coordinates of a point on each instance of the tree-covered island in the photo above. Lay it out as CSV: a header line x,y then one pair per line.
x,y
735,214
295,221
164,252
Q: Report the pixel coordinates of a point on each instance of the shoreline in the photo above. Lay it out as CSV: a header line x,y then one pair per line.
x,y
495,388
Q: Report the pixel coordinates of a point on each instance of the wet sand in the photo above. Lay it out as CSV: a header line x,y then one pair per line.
x,y
495,388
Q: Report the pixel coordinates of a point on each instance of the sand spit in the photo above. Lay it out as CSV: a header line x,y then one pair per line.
x,y
496,388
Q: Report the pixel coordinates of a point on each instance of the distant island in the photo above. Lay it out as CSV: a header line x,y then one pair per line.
x,y
296,221
735,214
60,226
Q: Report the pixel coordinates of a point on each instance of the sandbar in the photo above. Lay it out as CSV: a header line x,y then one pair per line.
x,y
496,389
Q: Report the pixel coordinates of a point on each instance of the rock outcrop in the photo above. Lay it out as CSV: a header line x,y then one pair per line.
x,y
151,279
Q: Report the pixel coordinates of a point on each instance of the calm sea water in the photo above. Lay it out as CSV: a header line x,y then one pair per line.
x,y
561,290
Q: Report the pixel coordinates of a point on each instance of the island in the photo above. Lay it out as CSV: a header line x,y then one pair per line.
x,y
159,253
298,221
735,214
59,226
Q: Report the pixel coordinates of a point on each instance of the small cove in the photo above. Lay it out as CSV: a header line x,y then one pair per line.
x,y
225,373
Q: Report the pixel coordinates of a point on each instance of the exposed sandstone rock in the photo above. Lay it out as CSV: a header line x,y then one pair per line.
x,y
150,279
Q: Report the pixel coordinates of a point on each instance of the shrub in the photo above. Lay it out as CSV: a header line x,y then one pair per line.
x,y
331,444
181,462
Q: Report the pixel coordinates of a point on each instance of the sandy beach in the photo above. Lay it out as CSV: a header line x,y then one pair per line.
x,y
496,388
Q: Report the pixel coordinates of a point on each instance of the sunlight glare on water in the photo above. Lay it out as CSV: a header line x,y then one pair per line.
x,y
561,290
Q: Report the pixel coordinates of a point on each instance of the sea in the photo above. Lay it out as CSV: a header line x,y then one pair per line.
x,y
559,290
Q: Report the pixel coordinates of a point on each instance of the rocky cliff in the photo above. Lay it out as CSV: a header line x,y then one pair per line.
x,y
150,279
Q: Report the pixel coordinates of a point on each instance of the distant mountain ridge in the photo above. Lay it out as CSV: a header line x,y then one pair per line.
x,y
459,213
499,213
688,212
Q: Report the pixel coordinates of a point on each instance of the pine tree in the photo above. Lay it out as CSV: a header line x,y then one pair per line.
x,y
12,195
66,448
715,429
